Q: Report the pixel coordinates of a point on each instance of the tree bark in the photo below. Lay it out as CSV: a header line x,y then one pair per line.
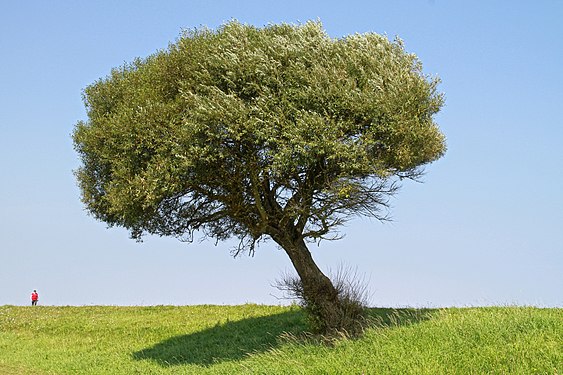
x,y
320,295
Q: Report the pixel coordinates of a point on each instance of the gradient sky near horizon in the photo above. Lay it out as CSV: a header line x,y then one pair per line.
x,y
485,227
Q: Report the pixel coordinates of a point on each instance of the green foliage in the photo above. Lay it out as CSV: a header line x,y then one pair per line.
x,y
254,339
244,131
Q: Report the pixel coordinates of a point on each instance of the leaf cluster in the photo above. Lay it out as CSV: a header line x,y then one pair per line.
x,y
246,132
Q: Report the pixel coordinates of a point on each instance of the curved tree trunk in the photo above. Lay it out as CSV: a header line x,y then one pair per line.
x,y
320,295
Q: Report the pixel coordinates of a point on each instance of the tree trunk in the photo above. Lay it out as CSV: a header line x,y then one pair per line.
x,y
320,296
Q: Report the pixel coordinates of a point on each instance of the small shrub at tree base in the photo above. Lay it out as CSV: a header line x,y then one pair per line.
x,y
347,318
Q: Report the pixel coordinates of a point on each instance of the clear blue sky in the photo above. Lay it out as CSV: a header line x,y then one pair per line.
x,y
485,228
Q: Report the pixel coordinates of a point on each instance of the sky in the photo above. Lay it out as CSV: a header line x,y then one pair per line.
x,y
484,228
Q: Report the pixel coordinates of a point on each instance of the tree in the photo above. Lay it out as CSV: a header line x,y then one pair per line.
x,y
278,132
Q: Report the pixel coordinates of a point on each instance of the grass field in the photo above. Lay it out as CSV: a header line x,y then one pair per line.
x,y
256,339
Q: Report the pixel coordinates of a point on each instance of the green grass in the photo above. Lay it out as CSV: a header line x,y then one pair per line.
x,y
257,339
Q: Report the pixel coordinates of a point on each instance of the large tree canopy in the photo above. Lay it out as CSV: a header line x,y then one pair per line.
x,y
280,132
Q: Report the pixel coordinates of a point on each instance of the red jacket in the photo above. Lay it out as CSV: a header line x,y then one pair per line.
x,y
34,296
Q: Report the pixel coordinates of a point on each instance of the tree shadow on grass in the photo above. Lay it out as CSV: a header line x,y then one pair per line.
x,y
230,341
234,341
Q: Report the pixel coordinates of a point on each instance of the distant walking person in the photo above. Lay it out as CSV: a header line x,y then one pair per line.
x,y
34,298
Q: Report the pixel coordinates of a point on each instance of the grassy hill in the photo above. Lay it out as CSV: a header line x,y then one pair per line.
x,y
257,339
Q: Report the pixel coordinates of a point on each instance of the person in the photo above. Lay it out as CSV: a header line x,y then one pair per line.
x,y
34,298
